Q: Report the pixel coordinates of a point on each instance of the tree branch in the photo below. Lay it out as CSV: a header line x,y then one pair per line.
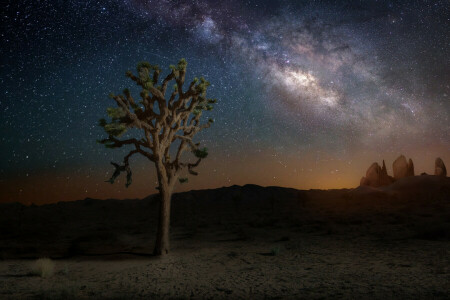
x,y
154,91
123,168
191,167
132,116
162,124
166,81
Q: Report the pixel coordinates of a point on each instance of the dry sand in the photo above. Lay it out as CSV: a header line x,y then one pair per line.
x,y
239,243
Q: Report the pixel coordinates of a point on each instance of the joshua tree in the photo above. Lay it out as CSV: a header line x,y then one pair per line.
x,y
166,127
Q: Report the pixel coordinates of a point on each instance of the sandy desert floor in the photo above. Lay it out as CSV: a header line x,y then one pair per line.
x,y
361,244
306,267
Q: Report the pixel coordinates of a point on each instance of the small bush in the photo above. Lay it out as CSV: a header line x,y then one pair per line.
x,y
275,251
232,254
43,267
65,271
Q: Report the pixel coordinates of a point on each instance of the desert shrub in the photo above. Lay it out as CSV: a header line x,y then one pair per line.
x,y
43,267
232,254
275,251
65,270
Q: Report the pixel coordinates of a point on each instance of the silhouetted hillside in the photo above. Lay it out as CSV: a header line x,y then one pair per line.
x,y
415,207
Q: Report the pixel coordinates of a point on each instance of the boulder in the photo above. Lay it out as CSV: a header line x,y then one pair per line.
x,y
373,174
410,168
376,176
402,168
439,167
363,181
384,178
383,169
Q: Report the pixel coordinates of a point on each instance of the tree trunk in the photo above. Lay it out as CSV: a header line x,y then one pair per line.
x,y
162,235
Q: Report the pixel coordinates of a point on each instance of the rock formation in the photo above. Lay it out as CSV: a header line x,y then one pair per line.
x,y
402,168
372,175
385,179
411,167
383,169
439,167
376,176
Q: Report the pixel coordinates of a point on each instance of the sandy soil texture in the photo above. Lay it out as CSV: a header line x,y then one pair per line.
x,y
244,242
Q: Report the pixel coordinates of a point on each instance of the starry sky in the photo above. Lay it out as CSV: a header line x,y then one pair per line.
x,y
310,92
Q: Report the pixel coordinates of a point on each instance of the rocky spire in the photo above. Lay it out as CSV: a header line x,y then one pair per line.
x,y
439,167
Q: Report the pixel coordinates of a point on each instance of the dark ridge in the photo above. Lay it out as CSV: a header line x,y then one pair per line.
x,y
414,207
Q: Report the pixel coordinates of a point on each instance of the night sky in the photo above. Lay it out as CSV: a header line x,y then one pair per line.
x,y
310,92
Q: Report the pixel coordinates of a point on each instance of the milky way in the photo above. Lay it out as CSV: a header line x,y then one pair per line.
x,y
324,66
306,89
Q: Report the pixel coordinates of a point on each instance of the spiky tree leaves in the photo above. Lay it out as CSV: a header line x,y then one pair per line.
x,y
183,180
162,122
201,153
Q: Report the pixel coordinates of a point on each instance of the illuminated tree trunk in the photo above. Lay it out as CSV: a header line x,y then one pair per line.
x,y
162,244
162,235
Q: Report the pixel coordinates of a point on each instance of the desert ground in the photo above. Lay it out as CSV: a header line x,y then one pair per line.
x,y
235,242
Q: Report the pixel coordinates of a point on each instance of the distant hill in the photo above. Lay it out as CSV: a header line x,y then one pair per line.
x,y
93,226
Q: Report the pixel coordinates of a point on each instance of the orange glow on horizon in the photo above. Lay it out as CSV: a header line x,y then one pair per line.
x,y
311,171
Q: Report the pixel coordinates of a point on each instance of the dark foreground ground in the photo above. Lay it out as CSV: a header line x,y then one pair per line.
x,y
244,242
